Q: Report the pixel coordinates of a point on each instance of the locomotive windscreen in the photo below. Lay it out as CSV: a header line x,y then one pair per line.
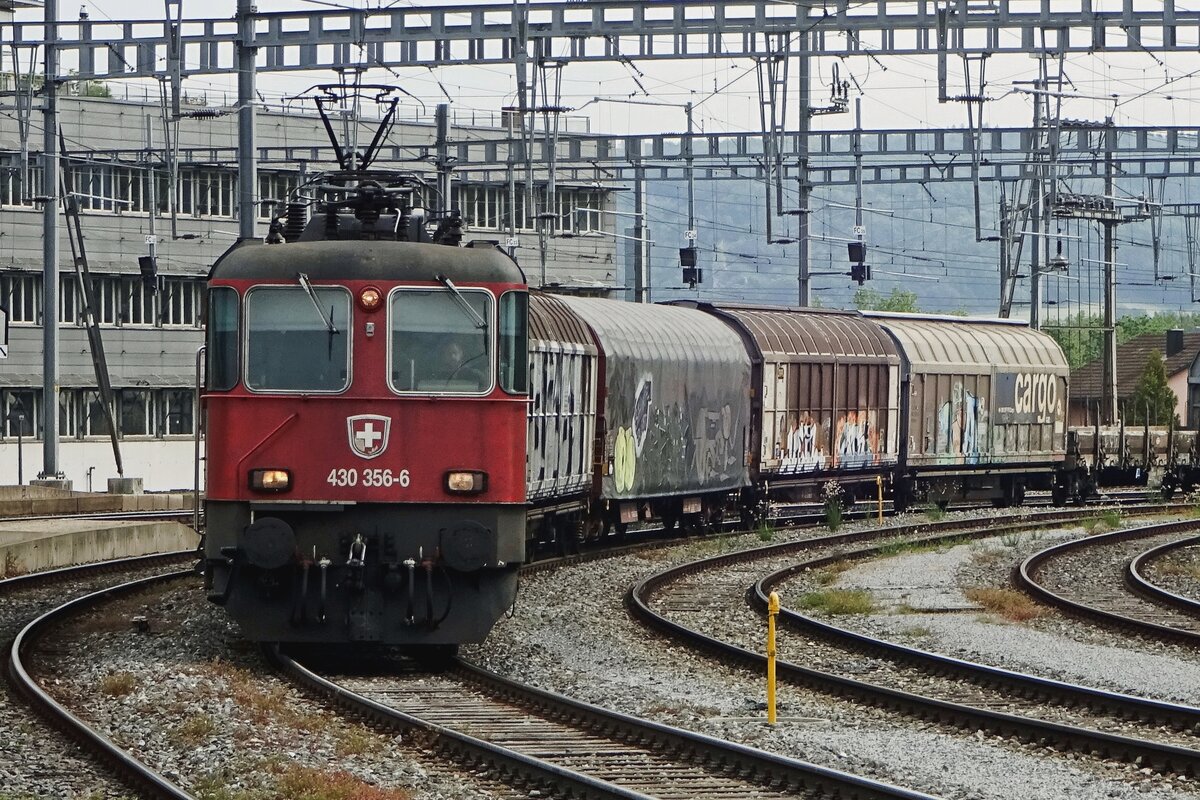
x,y
294,344
441,341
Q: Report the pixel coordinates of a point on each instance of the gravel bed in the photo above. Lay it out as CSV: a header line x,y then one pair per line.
x,y
36,760
1177,572
1095,576
198,704
571,634
920,603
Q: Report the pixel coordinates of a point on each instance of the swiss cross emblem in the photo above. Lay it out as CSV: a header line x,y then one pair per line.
x,y
368,434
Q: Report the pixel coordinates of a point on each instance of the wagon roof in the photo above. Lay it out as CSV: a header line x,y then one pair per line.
x,y
367,260
944,343
551,320
659,333
806,334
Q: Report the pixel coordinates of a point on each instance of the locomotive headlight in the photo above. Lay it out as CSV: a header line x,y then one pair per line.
x,y
270,480
465,482
370,298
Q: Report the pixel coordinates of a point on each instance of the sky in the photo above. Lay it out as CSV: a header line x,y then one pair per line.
x,y
1137,89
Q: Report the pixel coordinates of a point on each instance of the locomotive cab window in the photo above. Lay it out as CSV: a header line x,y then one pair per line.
x,y
222,348
514,342
297,339
441,341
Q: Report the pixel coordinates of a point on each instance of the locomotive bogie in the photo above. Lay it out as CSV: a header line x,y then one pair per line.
x,y
419,574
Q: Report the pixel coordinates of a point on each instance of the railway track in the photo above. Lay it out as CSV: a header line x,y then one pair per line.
x,y
20,672
1090,578
683,602
712,779
551,743
1135,575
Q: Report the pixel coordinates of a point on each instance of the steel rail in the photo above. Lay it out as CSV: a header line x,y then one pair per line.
x,y
466,749
778,773
137,775
1025,572
1140,583
1159,756
30,579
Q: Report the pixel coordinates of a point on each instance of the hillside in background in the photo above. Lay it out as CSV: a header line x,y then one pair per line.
x,y
918,241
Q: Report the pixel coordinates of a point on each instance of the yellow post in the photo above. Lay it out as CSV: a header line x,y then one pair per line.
x,y
879,486
772,612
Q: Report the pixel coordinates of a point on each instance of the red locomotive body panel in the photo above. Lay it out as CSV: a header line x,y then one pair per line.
x,y
367,443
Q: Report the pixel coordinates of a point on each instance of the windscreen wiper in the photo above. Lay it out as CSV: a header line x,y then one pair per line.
x,y
308,289
462,301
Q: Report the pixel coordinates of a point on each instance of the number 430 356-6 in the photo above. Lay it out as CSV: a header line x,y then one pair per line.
x,y
368,477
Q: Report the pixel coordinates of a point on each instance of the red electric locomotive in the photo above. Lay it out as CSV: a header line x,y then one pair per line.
x,y
366,404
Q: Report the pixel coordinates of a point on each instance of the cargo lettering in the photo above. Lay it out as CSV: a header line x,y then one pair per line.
x,y
1035,394
1027,397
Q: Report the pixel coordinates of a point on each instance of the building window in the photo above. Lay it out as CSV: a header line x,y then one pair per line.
x,y
68,414
137,412
177,412
178,301
13,189
20,409
94,418
487,207
22,296
136,296
107,302
277,187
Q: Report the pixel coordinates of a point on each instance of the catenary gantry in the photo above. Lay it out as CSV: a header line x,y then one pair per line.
x,y
606,30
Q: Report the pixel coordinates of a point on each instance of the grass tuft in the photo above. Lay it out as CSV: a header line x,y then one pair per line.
x,y
917,631
194,730
1008,603
118,684
305,783
830,573
1184,570
839,601
988,556
356,741
262,703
